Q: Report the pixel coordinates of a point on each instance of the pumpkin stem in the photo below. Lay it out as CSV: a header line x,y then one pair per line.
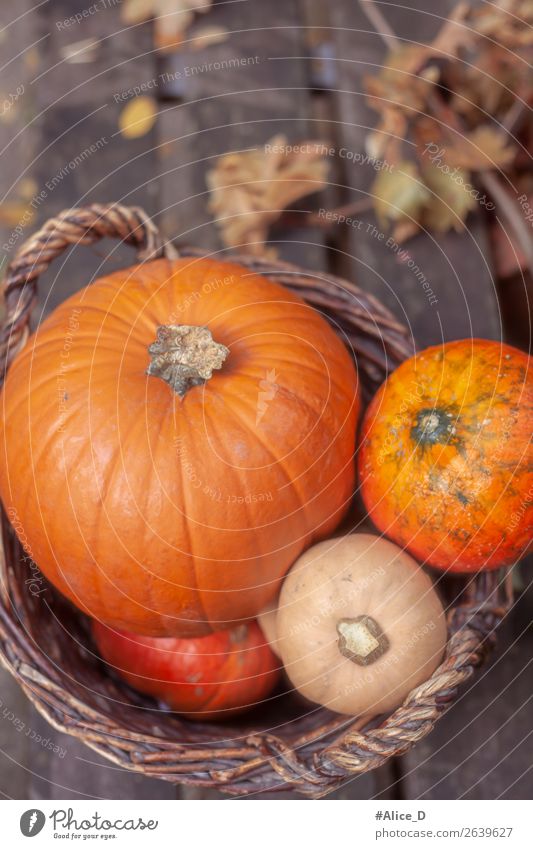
x,y
185,356
434,426
361,640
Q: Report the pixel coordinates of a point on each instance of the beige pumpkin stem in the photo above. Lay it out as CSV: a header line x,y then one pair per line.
x,y
185,356
361,640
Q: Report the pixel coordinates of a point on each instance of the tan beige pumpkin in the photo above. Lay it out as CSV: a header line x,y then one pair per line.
x,y
359,625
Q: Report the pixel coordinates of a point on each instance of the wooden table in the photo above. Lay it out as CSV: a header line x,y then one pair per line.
x,y
302,76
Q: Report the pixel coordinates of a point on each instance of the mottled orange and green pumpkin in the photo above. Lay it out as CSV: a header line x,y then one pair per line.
x,y
173,437
446,457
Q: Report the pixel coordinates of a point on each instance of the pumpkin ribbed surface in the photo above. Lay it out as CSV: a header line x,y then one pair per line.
x,y
170,515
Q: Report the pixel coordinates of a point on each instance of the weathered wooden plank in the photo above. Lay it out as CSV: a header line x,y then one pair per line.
x,y
83,158
458,272
17,145
481,749
377,785
455,266
234,96
229,97
76,772
14,728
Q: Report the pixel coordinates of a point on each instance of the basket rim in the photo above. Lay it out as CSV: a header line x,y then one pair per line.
x,y
317,761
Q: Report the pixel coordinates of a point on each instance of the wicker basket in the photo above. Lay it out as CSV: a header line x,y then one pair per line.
x,y
45,643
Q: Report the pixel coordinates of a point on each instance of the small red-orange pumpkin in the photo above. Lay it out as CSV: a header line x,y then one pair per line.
x,y
446,457
167,491
210,677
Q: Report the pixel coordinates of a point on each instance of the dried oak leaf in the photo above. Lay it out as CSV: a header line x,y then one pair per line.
x,y
483,149
399,194
250,190
386,140
172,18
454,35
404,84
450,200
509,22
398,93
428,135
488,86
404,81
497,65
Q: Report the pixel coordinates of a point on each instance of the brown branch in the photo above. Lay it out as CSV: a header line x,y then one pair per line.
x,y
505,203
510,212
514,116
380,24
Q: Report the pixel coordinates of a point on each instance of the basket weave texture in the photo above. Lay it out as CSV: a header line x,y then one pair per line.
x,y
45,644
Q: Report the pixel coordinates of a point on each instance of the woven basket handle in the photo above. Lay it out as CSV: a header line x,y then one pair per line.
x,y
83,225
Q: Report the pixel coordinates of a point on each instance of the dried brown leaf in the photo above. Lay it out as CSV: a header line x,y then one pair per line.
x,y
399,194
484,149
455,34
427,131
451,198
449,124
386,140
172,18
509,22
400,84
136,11
494,37
250,190
404,80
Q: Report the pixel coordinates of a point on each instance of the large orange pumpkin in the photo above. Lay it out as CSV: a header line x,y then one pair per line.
x,y
167,493
446,458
